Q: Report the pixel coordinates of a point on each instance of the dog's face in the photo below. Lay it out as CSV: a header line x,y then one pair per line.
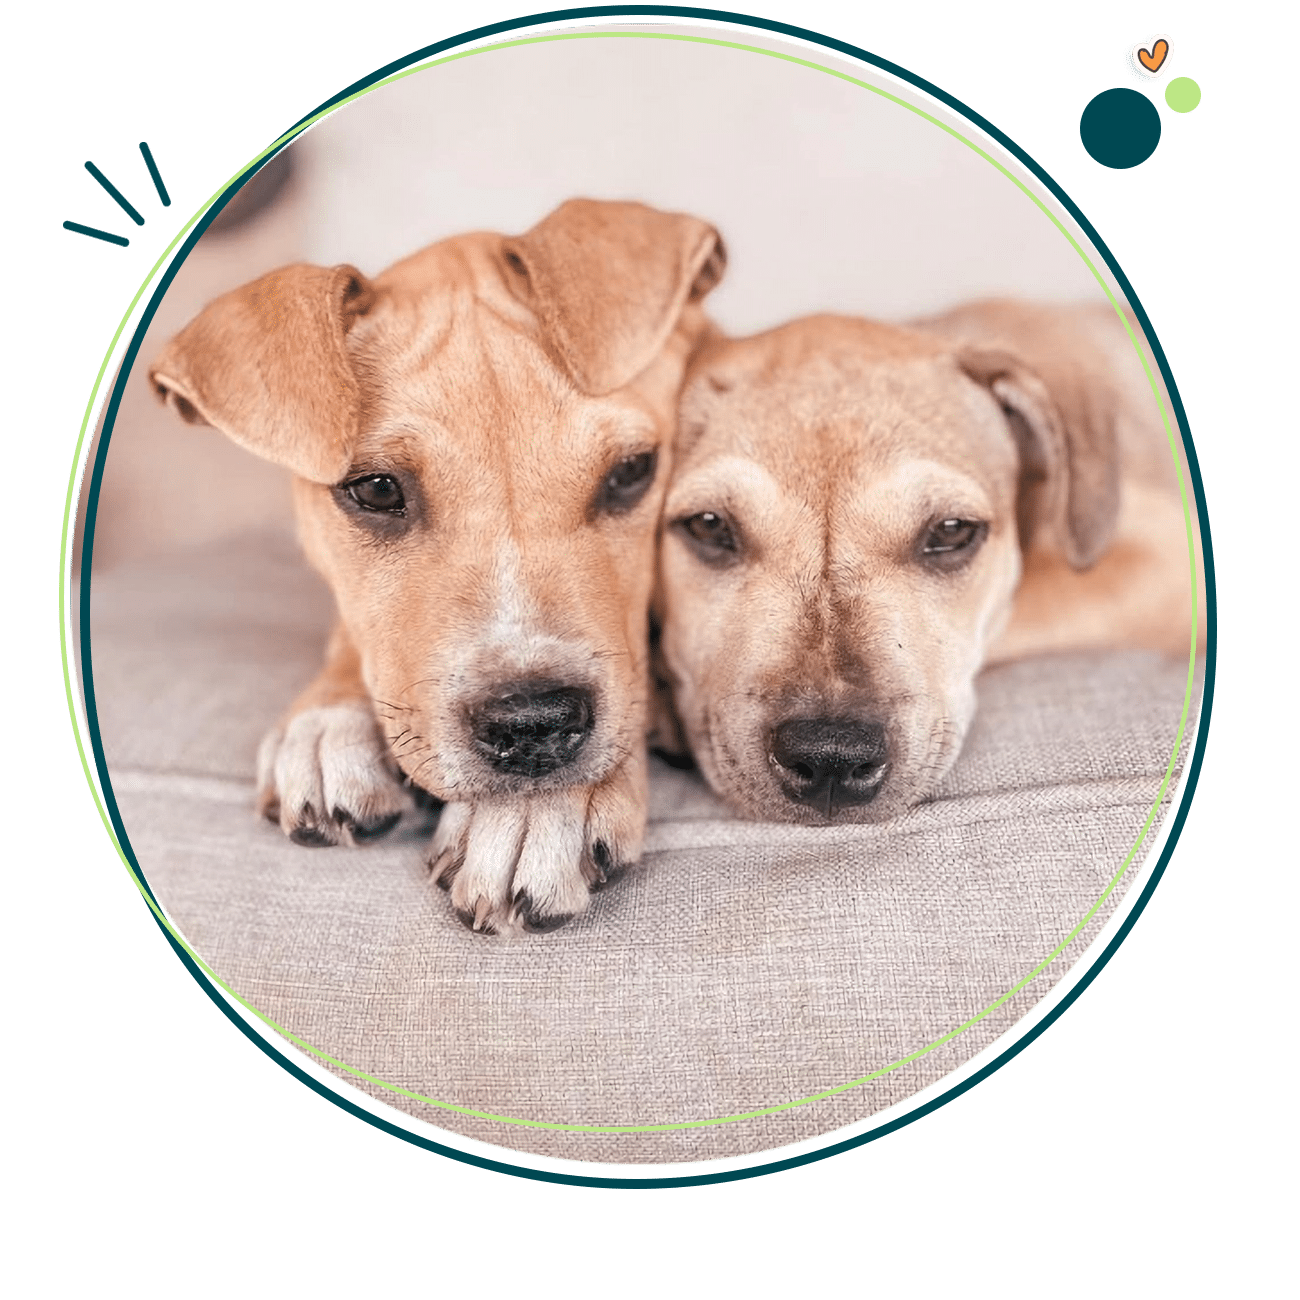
x,y
481,438
842,542
490,545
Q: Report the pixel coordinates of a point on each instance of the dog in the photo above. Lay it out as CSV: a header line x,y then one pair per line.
x,y
863,515
480,439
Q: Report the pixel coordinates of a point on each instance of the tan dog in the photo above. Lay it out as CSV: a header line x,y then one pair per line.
x,y
862,516
480,440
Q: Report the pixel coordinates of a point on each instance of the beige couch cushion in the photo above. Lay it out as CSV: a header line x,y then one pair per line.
x,y
740,966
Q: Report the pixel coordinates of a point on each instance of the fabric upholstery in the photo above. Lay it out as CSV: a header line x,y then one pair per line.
x,y
738,967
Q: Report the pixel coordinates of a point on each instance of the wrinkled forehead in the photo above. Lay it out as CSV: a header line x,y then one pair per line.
x,y
449,354
837,415
461,373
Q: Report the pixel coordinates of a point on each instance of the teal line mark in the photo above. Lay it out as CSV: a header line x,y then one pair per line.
x,y
155,174
78,229
115,194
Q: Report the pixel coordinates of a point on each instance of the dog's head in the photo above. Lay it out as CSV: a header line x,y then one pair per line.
x,y
842,542
480,439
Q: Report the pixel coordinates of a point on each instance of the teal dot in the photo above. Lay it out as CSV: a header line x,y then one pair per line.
x,y
1182,94
1120,128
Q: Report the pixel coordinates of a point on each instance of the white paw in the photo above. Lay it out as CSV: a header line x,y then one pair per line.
x,y
326,777
531,864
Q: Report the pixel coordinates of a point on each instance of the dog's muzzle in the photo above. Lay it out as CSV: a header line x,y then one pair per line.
x,y
829,763
532,728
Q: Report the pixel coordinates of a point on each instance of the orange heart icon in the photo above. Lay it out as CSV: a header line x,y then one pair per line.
x,y
1151,57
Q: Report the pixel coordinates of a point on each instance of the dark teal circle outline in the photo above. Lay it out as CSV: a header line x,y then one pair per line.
x,y
1193,767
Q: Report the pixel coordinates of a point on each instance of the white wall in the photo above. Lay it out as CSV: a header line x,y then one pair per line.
x,y
830,197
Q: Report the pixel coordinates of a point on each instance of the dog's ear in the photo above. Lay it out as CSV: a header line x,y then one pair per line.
x,y
267,366
609,281
1069,464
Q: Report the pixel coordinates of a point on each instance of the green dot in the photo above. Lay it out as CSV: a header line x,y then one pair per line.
x,y
1182,94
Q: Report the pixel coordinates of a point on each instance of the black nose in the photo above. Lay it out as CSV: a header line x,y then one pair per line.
x,y
532,728
829,763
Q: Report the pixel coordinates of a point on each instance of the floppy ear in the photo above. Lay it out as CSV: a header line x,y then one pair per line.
x,y
267,366
609,281
1069,461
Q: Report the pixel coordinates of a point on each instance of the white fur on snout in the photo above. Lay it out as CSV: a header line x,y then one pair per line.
x,y
329,771
510,646
512,611
509,639
513,644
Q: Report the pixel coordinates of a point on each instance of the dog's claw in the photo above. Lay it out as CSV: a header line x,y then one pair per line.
x,y
443,868
472,923
536,921
312,837
361,831
477,919
603,870
600,857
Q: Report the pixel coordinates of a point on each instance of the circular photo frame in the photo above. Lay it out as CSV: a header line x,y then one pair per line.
x,y
782,974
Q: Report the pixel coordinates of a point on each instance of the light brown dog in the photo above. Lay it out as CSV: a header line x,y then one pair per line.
x,y
862,516
480,440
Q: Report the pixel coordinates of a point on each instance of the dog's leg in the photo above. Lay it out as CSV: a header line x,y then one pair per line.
x,y
325,773
616,817
530,864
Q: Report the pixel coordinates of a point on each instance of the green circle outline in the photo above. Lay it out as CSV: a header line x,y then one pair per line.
x,y
69,529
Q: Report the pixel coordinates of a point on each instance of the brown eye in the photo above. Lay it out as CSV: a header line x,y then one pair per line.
x,y
626,483
711,536
379,492
948,539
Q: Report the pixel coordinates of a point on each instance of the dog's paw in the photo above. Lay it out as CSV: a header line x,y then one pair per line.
x,y
326,777
531,864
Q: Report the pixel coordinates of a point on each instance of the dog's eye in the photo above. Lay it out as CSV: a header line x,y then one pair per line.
x,y
711,536
948,540
379,492
627,483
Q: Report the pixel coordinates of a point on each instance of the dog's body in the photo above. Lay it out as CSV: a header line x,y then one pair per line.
x,y
862,516
480,440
